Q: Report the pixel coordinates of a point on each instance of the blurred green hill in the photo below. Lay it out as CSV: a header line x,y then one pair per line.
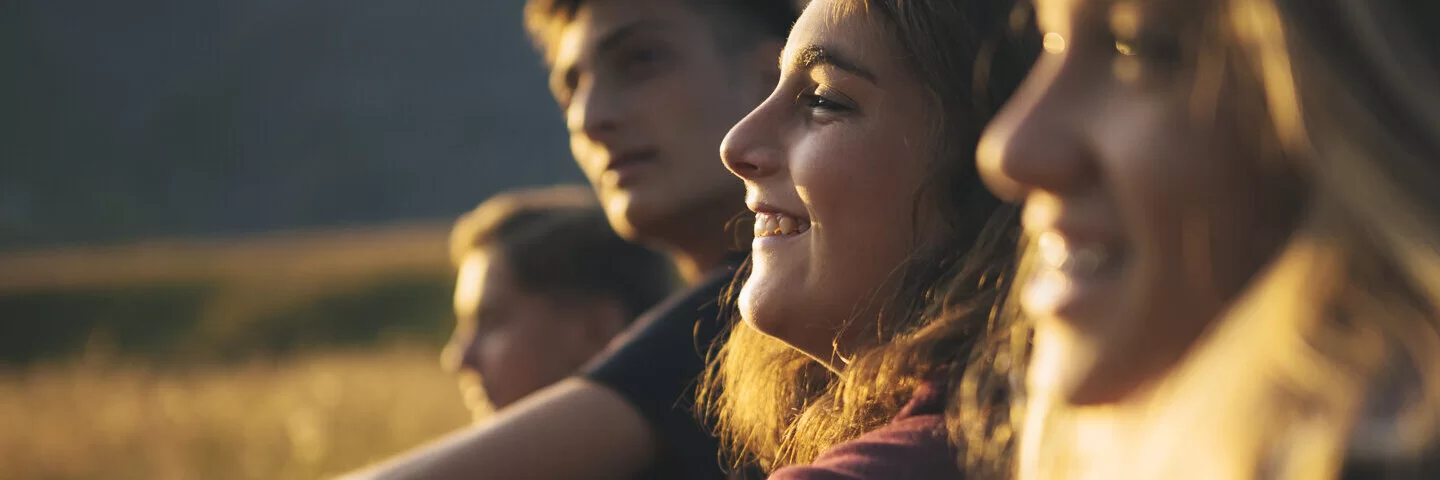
x,y
216,300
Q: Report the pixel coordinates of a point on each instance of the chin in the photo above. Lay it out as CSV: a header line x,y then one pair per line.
x,y
637,220
630,220
767,311
1064,366
784,317
750,303
1079,372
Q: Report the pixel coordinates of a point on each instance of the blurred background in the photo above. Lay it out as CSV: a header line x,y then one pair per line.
x,y
223,225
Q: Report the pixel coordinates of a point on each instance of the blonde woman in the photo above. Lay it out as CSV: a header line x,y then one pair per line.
x,y
1233,218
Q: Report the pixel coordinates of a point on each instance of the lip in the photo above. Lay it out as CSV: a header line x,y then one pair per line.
x,y
761,207
623,168
1082,219
1088,230
1070,292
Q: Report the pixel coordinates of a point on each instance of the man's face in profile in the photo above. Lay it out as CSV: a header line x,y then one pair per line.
x,y
648,95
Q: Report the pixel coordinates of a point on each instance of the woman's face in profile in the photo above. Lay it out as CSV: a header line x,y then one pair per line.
x,y
1147,200
831,163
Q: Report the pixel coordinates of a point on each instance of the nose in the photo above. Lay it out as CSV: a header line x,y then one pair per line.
x,y
459,353
1038,140
750,149
595,112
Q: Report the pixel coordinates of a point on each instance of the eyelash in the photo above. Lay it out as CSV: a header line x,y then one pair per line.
x,y
818,103
637,62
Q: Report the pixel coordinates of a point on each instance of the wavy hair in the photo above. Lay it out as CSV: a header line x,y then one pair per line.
x,y
775,406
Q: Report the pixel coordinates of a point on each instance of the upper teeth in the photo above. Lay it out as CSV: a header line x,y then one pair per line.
x,y
767,224
1057,254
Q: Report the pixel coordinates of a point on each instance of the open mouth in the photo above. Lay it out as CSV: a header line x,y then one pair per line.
x,y
779,224
1075,258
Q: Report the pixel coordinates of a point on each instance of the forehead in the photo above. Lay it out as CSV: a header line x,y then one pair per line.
x,y
842,25
599,20
481,274
1057,14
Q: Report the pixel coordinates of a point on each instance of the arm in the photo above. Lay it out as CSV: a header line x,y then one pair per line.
x,y
572,429
608,423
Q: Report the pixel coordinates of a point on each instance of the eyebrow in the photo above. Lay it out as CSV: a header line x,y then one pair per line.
x,y
815,55
569,77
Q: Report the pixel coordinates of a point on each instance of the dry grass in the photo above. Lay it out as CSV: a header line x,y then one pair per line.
x,y
300,418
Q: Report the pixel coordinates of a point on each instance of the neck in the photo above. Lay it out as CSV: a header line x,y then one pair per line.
x,y
700,243
695,259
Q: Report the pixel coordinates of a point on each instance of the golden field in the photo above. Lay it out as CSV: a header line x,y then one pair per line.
x,y
306,417
289,355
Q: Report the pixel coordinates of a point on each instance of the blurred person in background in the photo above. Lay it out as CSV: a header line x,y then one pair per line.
x,y
648,89
543,285
1235,230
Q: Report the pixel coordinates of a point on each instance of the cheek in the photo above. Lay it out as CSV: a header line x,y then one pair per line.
x,y
1202,196
1249,213
507,356
1166,178
1200,220
861,193
493,351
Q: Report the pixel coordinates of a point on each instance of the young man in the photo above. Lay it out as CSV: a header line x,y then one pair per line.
x,y
543,285
649,88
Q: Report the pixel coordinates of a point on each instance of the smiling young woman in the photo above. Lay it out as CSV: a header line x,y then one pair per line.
x,y
859,169
1235,239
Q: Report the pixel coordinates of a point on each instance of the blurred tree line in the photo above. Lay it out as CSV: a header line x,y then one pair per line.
x,y
146,118
127,121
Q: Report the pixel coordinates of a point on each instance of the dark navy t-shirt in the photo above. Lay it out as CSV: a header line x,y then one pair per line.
x,y
655,365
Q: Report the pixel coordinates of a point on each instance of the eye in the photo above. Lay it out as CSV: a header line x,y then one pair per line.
x,y
817,102
641,62
822,101
1159,50
1148,58
1125,48
488,320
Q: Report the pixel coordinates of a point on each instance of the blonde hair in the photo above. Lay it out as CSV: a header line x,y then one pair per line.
x,y
1349,309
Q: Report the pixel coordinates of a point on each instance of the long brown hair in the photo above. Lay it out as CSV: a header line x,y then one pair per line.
x,y
1348,312
776,406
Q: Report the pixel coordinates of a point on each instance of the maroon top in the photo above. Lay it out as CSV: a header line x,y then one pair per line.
x,y
912,446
